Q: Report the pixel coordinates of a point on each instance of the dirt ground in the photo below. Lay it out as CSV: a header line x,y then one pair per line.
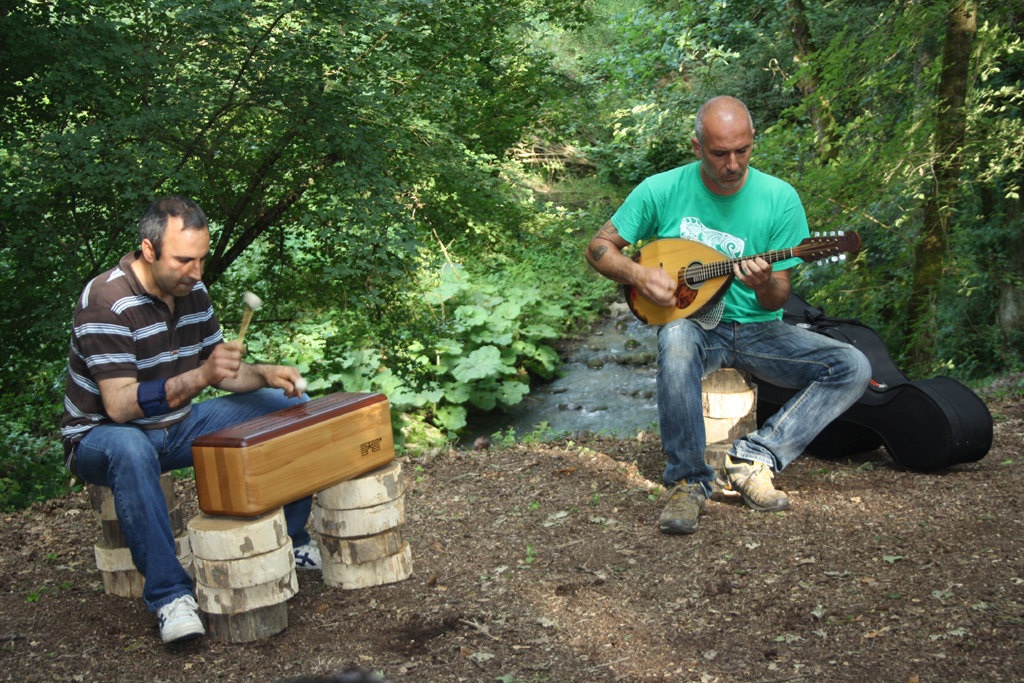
x,y
543,562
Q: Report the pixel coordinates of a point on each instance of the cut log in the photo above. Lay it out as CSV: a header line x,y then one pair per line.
x,y
113,559
231,538
729,401
387,570
246,627
114,536
728,429
124,584
368,490
236,600
360,550
102,498
247,571
728,405
362,522
120,577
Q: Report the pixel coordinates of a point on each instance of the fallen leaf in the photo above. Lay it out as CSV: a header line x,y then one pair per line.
x,y
875,634
465,651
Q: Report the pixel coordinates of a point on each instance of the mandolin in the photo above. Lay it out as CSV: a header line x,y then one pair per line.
x,y
704,274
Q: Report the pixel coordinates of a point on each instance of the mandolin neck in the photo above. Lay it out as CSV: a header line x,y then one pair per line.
x,y
709,271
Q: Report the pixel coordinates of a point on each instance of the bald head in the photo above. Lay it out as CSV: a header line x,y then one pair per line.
x,y
723,138
724,109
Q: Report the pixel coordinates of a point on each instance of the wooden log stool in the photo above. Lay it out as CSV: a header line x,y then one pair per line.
x,y
729,398
359,525
245,574
114,560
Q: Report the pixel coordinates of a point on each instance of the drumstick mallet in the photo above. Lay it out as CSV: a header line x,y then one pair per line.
x,y
252,304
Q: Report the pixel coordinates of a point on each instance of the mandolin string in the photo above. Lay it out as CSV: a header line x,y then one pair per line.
x,y
709,271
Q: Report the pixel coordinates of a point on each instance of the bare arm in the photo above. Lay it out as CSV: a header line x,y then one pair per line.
x,y
224,369
604,254
772,288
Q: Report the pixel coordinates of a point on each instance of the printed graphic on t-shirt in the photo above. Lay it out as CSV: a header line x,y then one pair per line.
x,y
692,229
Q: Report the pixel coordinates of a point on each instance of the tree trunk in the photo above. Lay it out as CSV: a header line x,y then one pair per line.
x,y
821,118
950,132
1011,294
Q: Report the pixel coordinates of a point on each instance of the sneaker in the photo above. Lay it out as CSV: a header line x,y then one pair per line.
x,y
307,556
179,621
754,482
683,509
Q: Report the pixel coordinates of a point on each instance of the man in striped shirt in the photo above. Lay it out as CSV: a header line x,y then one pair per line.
x,y
145,342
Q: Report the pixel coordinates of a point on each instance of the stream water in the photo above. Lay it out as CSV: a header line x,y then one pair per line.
x,y
607,385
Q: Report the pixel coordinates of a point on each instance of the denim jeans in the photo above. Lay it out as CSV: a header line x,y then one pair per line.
x,y
831,375
130,460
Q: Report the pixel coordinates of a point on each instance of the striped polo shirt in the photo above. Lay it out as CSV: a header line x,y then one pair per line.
x,y
120,330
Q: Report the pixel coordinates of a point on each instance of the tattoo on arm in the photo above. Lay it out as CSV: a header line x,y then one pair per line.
x,y
597,253
608,232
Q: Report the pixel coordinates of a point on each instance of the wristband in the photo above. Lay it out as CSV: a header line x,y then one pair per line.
x,y
152,398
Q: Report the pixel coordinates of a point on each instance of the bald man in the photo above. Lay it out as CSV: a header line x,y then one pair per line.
x,y
725,204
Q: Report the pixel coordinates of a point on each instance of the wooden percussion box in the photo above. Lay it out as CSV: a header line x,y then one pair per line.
x,y
269,461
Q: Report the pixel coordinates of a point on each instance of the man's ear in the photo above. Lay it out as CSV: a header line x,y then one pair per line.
x,y
696,146
148,251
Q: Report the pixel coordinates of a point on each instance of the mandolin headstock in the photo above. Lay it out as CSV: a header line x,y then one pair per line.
x,y
833,246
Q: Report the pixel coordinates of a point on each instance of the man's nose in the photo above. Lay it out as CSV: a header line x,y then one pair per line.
x,y
196,271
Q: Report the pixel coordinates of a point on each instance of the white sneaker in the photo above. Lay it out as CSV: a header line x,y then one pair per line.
x,y
307,556
179,621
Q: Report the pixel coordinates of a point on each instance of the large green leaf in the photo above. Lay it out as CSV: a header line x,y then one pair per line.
x,y
512,392
452,417
484,362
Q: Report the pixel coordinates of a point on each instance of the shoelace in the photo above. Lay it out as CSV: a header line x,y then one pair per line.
x,y
760,478
178,606
679,500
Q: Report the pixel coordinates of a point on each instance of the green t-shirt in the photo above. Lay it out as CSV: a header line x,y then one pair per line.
x,y
765,215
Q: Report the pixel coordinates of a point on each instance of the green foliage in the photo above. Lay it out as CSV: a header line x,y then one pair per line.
x,y
31,456
479,345
343,135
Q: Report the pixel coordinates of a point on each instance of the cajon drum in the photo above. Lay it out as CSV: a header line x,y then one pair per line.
x,y
269,461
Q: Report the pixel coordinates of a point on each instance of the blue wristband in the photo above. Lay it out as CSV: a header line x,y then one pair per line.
x,y
152,398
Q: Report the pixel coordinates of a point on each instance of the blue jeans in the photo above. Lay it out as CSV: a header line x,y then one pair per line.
x,y
830,374
130,460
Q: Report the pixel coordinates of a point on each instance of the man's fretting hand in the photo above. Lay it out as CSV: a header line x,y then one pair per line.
x,y
755,273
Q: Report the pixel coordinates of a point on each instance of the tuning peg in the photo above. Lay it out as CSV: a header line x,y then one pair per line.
x,y
835,259
820,263
842,232
842,257
816,234
832,234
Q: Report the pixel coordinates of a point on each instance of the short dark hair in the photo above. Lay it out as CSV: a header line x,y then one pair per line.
x,y
153,223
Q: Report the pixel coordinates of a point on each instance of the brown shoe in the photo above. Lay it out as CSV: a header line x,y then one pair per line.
x,y
683,509
754,482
